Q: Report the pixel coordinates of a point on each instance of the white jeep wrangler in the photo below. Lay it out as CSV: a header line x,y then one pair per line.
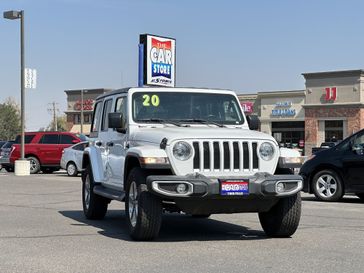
x,y
185,150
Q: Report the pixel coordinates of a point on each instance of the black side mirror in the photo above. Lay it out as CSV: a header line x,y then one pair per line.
x,y
253,122
117,122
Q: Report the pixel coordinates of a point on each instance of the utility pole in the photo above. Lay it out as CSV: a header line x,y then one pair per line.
x,y
54,111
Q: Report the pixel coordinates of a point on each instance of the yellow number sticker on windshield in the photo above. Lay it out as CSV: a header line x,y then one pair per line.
x,y
147,100
155,100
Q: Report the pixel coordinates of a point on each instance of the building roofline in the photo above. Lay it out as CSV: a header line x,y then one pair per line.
x,y
342,73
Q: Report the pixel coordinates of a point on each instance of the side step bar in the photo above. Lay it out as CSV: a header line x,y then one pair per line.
x,y
109,193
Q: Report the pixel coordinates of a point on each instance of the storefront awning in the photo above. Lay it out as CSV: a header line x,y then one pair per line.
x,y
77,129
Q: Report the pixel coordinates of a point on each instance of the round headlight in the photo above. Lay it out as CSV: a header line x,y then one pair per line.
x,y
182,150
266,151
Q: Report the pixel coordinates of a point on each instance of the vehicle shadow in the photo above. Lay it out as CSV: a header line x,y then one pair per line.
x,y
346,199
175,227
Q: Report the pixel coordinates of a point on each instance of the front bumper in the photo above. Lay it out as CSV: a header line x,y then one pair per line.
x,y
204,194
261,184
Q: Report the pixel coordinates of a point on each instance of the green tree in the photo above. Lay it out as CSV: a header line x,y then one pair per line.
x,y
10,124
61,125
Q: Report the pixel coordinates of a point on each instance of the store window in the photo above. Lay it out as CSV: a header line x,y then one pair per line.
x,y
290,134
77,119
334,130
87,118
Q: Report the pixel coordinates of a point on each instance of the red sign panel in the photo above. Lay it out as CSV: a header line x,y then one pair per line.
x,y
330,93
88,105
247,107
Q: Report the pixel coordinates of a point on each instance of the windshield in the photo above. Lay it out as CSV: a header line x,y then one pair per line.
x,y
186,108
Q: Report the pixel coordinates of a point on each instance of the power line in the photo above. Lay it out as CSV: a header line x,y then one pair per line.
x,y
54,110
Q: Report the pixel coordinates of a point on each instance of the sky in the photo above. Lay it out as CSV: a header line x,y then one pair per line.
x,y
246,46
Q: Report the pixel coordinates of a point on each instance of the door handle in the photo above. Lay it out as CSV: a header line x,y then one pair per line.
x,y
110,144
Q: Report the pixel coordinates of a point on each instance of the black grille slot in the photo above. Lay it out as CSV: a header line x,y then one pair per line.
x,y
196,159
246,155
206,155
226,155
216,155
236,155
255,156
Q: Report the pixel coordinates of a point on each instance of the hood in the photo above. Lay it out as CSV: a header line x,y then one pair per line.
x,y
155,135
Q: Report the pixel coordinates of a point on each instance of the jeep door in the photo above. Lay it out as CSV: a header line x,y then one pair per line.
x,y
118,145
103,140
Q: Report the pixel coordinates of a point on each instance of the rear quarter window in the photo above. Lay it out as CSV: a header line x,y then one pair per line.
x,y
27,139
66,139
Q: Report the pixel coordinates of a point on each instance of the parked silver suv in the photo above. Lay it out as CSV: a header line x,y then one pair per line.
x,y
185,150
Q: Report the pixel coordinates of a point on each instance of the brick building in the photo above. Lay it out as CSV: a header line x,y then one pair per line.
x,y
73,112
330,107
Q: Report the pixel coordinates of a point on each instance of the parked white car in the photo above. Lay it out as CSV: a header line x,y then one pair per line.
x,y
71,159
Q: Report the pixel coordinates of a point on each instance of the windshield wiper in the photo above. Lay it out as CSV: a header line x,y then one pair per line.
x,y
159,120
204,121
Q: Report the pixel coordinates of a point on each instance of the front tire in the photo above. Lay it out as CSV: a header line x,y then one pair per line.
x,y
283,218
143,210
94,206
327,186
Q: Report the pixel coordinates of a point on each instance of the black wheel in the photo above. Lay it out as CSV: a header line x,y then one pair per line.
x,y
327,186
94,206
361,196
72,169
283,218
9,169
34,164
143,210
201,216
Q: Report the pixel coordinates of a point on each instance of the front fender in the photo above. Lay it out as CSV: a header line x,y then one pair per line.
x,y
92,156
146,151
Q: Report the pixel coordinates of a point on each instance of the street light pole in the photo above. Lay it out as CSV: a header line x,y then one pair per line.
x,y
13,15
81,111
22,166
22,91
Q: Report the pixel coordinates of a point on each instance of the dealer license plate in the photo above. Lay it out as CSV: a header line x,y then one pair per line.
x,y
234,187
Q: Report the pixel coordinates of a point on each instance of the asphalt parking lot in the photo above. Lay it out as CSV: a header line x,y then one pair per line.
x,y
42,229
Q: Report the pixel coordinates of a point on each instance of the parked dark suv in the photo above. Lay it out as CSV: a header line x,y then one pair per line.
x,y
44,149
332,172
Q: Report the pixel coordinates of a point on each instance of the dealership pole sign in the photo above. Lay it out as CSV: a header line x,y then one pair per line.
x,y
158,63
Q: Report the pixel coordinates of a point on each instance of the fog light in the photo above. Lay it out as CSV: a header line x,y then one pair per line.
x,y
181,188
280,187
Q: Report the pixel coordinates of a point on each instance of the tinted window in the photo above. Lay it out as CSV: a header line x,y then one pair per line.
x,y
49,139
80,147
96,117
67,139
8,144
107,110
120,107
28,139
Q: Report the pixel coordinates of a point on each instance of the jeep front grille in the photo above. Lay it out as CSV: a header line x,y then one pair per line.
x,y
220,156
